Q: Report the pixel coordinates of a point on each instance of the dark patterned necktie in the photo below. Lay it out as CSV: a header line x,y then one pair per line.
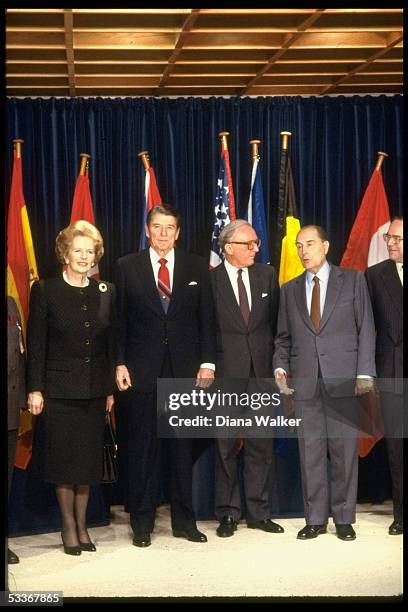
x,y
315,307
243,298
163,284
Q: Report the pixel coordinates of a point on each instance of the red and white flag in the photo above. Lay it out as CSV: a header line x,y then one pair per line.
x,y
366,247
152,198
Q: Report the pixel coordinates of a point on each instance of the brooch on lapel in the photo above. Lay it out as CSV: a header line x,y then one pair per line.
x,y
192,283
103,287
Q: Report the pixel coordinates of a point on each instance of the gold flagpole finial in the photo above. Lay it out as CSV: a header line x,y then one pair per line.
x,y
380,159
285,140
144,156
255,152
17,142
224,141
84,161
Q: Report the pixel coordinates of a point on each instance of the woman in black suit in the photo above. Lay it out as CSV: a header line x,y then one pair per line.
x,y
70,378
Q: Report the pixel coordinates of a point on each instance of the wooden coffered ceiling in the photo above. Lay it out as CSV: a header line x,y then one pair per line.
x,y
203,52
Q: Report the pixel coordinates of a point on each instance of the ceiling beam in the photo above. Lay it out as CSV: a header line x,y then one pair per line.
x,y
69,49
390,43
289,40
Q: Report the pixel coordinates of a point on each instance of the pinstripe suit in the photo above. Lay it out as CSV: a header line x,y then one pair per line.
x,y
386,294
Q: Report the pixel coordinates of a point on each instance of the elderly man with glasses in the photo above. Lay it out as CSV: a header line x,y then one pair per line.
x,y
385,284
246,296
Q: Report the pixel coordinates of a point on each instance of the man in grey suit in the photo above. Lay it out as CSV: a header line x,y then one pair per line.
x,y
16,398
246,296
326,340
385,284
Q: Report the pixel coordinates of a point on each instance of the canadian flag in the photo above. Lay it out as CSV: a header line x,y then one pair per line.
x,y
366,247
82,209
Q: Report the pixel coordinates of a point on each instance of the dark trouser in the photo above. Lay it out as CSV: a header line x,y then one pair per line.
x,y
145,456
258,454
328,485
392,412
11,454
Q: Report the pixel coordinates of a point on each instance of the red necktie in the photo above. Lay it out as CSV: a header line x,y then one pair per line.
x,y
243,298
163,284
315,307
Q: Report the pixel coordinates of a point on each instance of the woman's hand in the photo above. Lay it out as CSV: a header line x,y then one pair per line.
x,y
35,402
110,400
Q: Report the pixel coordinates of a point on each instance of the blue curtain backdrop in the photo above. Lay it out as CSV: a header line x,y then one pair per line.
x,y
333,150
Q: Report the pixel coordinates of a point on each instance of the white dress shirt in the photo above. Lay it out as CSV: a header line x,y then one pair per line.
x,y
232,272
400,272
155,261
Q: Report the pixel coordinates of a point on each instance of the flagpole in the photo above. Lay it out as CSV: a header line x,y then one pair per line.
x,y
380,159
144,156
84,161
255,152
285,140
224,141
17,142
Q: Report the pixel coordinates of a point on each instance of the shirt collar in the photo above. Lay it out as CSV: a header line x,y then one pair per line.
x,y
233,269
323,274
155,258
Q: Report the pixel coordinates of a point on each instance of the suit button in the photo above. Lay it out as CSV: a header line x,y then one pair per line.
x,y
87,342
87,359
84,307
165,341
81,291
87,324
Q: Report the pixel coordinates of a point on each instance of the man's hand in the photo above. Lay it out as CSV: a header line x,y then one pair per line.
x,y
205,378
35,402
110,400
280,379
365,385
123,378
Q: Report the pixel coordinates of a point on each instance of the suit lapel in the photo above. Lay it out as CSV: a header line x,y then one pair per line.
x,y
147,279
334,286
392,284
256,289
300,297
225,293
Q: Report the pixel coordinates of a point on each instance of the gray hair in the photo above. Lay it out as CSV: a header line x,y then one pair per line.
x,y
228,232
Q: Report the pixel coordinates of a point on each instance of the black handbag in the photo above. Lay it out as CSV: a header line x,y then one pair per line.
x,y
110,449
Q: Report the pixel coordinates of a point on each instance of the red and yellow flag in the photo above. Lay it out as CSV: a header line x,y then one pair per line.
x,y
21,273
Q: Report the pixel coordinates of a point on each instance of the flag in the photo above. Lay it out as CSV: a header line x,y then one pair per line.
x,y
290,264
21,273
224,209
256,213
288,222
366,247
152,198
82,208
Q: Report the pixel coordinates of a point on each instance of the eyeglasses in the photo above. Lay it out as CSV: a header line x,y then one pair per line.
x,y
251,244
388,237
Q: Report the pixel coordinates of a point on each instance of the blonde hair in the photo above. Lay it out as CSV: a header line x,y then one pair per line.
x,y
66,236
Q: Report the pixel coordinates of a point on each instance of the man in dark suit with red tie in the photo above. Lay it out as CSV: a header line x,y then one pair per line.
x,y
385,284
165,329
246,298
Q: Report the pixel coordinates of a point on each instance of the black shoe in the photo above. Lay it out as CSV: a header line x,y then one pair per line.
x,y
396,528
345,532
192,535
75,551
266,525
87,546
311,531
12,557
142,540
226,527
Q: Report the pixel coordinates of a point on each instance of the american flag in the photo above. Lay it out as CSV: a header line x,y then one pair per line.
x,y
224,209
